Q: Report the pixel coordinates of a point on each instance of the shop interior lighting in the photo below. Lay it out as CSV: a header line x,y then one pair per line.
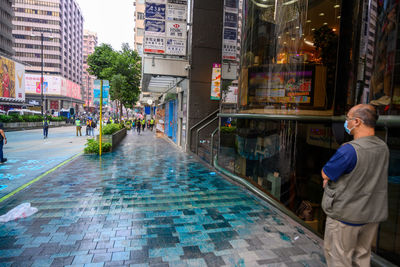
x,y
325,23
297,27
308,21
338,17
336,6
321,14
313,29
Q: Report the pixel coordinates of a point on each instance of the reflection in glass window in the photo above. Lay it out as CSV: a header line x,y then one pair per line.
x,y
289,54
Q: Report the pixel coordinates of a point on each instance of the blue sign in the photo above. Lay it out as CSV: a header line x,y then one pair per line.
x,y
231,3
155,11
230,34
231,20
154,27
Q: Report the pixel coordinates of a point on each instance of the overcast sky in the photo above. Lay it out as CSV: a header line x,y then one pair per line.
x,y
112,20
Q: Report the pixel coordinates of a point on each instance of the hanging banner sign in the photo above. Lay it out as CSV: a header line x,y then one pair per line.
x,y
231,20
176,29
216,82
176,47
154,27
96,92
155,11
180,2
155,45
176,12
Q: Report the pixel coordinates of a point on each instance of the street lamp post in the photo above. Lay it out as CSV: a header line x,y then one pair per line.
x,y
41,77
43,109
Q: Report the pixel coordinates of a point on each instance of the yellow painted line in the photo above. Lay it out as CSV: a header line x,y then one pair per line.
x,y
38,178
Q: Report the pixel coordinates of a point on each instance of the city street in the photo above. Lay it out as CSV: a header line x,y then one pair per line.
x,y
29,155
149,204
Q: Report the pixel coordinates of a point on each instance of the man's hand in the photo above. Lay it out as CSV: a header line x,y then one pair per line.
x,y
326,179
325,183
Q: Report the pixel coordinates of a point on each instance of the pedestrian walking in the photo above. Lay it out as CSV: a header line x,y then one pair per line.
x,y
46,123
151,124
3,141
355,196
138,126
143,124
93,126
87,127
78,127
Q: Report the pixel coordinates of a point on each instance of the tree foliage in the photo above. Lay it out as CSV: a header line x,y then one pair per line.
x,y
121,68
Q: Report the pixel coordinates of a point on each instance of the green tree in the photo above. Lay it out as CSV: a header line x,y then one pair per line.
x,y
122,69
101,62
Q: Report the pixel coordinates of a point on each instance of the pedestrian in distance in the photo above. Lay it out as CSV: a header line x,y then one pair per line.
x,y
87,127
3,141
46,124
143,124
355,196
151,124
78,127
93,126
138,126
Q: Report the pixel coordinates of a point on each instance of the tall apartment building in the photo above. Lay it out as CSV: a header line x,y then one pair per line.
x,y
6,38
61,23
89,44
139,25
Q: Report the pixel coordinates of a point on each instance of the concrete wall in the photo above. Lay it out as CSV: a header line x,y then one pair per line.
x,y
206,49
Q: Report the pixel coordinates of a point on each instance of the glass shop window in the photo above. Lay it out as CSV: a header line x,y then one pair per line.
x,y
289,55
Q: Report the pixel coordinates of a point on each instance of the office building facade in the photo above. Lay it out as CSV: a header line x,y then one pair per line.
x,y
89,44
6,38
60,24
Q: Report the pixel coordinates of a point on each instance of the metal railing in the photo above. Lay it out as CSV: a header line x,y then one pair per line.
x,y
198,132
212,146
200,122
384,120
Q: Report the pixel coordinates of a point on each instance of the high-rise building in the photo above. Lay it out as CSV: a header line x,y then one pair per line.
x,y
54,29
139,25
89,44
61,23
6,38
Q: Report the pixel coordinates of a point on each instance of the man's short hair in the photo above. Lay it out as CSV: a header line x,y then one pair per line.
x,y
367,113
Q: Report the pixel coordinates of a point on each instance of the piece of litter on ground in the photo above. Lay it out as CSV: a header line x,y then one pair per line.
x,y
21,211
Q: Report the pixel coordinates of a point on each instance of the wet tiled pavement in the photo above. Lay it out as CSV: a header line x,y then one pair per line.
x,y
29,155
148,204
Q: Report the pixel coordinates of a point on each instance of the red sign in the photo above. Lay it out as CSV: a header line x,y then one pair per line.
x,y
54,105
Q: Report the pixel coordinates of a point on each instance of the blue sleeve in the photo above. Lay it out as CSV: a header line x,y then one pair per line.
x,y
343,162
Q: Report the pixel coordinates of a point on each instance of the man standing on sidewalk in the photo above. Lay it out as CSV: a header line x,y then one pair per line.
x,y
3,141
78,127
355,198
46,123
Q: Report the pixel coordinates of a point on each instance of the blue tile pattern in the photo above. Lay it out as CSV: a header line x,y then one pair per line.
x,y
148,204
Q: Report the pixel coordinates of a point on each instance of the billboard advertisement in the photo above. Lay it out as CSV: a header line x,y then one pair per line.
x,y
176,47
12,78
216,82
155,11
176,12
51,84
176,29
154,27
153,44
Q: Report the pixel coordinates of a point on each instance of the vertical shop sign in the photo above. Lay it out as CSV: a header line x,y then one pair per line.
x,y
216,82
154,27
176,47
229,44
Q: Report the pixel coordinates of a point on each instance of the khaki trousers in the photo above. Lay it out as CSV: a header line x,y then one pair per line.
x,y
78,129
346,245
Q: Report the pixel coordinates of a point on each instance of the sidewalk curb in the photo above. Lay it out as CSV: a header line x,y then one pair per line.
x,y
39,177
